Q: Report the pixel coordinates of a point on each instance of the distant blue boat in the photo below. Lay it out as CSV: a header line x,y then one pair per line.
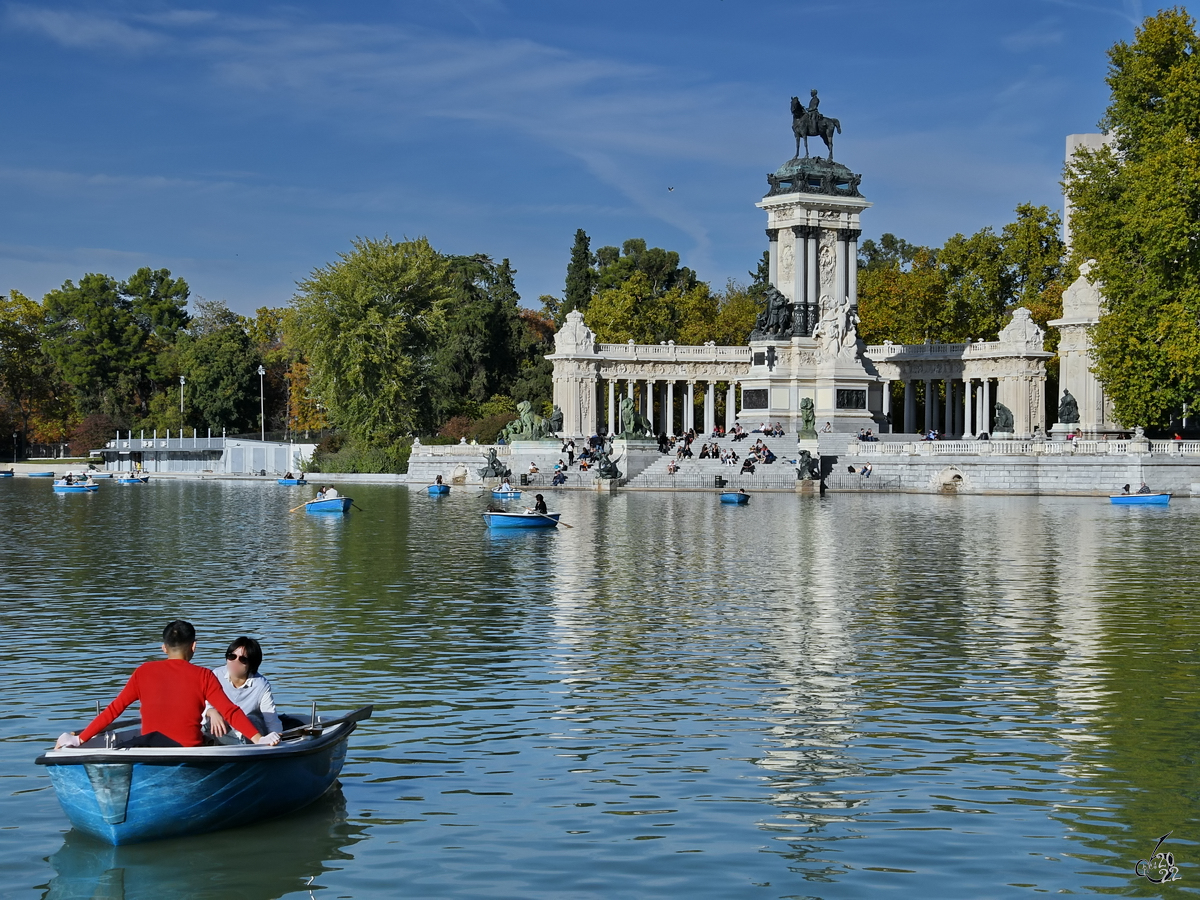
x,y
61,487
6,474
291,481
125,795
101,475
521,520
133,479
735,497
438,490
41,474
506,495
332,505
1140,499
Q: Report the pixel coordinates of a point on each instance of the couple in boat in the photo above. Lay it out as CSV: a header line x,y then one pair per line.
x,y
183,704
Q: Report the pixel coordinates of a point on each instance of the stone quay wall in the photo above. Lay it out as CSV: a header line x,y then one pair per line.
x,y
970,467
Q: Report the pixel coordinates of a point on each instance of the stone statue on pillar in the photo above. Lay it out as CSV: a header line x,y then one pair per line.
x,y
776,320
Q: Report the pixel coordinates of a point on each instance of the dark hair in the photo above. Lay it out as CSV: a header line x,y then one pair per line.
x,y
253,652
179,634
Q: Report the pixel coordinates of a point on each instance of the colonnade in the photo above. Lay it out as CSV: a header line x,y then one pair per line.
x,y
959,407
655,398
802,280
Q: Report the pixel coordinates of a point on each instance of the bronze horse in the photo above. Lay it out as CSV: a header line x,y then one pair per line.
x,y
804,128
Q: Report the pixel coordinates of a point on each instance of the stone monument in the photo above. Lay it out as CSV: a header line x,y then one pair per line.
x,y
1081,311
805,343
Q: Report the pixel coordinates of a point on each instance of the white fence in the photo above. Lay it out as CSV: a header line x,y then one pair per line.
x,y
1019,448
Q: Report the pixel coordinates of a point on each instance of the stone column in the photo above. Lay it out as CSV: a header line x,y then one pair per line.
x,y
887,404
929,405
651,386
710,407
910,407
773,259
612,407
969,387
985,417
813,294
669,412
798,242
839,278
948,418
852,235
689,410
730,405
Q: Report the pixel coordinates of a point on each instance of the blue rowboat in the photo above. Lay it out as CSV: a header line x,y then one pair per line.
x,y
6,474
61,487
133,479
735,497
521,520
291,481
438,490
505,495
41,474
121,794
332,505
102,475
1140,499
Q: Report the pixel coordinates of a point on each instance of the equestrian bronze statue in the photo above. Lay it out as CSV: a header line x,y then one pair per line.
x,y
808,122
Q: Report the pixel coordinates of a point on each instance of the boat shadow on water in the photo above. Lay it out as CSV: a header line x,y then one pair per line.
x,y
267,860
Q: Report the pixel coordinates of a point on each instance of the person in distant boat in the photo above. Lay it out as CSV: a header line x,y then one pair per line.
x,y
288,477
331,493
172,692
1145,489
320,493
437,479
506,485
1125,489
539,504
245,687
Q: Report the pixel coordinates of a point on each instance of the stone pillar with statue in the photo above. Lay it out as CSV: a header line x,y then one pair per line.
x,y
805,342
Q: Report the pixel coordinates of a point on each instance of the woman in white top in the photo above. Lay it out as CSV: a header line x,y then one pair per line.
x,y
245,687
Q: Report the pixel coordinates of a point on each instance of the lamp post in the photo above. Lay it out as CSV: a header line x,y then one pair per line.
x,y
182,382
262,408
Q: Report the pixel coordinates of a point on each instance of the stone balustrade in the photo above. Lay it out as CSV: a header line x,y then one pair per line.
x,y
1022,448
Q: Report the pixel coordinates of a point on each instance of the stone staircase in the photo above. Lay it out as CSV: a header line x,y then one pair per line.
x,y
703,474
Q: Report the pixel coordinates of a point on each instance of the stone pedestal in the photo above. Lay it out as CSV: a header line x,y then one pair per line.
x,y
1081,311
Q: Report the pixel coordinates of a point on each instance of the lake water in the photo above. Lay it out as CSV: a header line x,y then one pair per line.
x,y
803,697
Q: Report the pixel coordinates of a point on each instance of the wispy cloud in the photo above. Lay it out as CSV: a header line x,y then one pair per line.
x,y
1129,10
1044,34
74,29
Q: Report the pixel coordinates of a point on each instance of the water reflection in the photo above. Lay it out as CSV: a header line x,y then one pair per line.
x,y
226,864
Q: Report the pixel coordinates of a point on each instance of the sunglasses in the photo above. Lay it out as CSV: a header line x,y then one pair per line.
x,y
245,660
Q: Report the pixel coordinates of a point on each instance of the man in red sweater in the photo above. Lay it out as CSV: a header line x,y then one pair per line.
x,y
172,692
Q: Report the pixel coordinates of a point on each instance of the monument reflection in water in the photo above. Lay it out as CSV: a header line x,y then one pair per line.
x,y
228,864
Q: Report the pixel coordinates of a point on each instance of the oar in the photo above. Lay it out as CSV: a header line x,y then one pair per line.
x,y
357,716
301,506
551,518
356,506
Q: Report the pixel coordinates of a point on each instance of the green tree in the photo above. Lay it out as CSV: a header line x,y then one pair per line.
x,y
221,363
1134,212
480,339
907,307
581,278
366,324
92,334
890,252
29,380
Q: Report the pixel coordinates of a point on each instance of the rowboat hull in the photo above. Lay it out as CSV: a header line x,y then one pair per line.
x,y
335,505
41,474
143,480
1140,499
521,520
438,490
75,488
127,796
6,474
735,497
291,481
506,495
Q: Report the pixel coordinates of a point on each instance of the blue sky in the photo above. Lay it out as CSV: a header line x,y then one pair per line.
x,y
241,145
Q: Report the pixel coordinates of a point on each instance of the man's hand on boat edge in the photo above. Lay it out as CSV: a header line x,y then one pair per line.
x,y
67,739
